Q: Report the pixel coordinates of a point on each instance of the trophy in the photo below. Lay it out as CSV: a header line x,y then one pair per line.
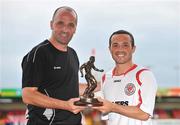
x,y
87,99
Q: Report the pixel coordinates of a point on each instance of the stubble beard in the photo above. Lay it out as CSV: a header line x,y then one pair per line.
x,y
123,61
65,43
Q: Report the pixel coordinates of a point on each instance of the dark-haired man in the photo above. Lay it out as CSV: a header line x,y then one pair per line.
x,y
128,88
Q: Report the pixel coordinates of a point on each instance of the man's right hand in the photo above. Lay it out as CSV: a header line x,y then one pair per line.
x,y
73,108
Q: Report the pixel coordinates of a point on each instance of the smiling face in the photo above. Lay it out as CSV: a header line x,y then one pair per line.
x,y
121,48
63,26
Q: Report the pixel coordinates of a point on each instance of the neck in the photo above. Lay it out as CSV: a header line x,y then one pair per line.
x,y
58,45
122,68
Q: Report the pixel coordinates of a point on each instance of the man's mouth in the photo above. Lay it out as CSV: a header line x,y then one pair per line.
x,y
120,54
64,34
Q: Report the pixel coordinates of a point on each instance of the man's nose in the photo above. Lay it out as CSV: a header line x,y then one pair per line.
x,y
65,28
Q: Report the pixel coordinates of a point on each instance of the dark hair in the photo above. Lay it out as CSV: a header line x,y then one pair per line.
x,y
122,32
65,8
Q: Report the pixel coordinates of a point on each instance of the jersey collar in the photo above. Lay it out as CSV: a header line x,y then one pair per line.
x,y
130,69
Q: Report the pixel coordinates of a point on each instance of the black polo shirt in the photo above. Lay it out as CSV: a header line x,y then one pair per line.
x,y
55,74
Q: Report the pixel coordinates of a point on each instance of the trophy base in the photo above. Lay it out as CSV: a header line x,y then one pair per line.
x,y
88,102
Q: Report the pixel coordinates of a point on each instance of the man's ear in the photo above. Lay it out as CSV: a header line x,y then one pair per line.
x,y
109,49
75,30
134,49
51,24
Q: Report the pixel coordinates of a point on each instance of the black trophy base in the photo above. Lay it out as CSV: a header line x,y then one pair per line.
x,y
88,102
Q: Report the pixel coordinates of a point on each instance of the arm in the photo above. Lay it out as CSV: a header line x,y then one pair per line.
x,y
129,111
30,95
96,69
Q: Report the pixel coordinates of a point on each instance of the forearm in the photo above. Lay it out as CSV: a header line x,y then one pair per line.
x,y
33,97
130,111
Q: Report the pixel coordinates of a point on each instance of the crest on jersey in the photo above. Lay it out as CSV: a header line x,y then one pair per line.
x,y
130,89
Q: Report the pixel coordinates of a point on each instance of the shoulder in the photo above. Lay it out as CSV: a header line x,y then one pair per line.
x,y
72,53
37,51
145,75
71,50
40,47
143,71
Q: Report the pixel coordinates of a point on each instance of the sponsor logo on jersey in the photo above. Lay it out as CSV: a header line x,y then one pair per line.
x,y
125,103
130,89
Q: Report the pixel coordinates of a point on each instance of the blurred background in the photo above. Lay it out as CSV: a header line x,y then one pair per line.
x,y
155,25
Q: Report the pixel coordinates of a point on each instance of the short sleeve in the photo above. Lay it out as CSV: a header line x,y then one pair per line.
x,y
148,91
32,69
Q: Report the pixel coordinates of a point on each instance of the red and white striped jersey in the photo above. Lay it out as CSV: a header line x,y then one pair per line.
x,y
136,87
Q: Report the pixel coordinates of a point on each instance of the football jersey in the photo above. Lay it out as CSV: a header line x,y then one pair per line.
x,y
136,87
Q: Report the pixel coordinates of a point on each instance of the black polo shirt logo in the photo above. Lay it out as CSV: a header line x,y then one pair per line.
x,y
57,67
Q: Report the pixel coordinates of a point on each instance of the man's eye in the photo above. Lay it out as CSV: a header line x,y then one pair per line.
x,y
60,23
126,45
115,45
71,25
